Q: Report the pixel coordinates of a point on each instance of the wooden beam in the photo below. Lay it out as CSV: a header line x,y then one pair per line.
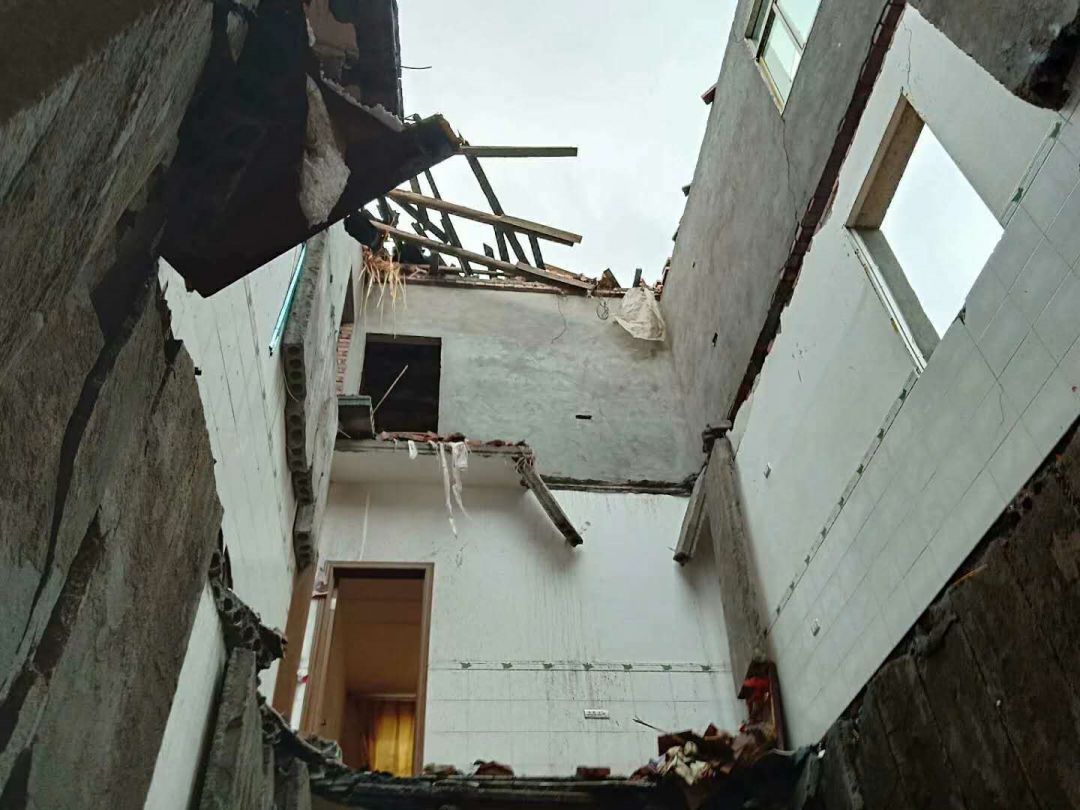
x,y
423,223
518,151
482,260
450,233
496,207
537,255
693,522
531,478
525,226
500,240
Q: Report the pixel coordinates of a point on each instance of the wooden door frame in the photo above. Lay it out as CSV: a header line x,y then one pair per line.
x,y
320,646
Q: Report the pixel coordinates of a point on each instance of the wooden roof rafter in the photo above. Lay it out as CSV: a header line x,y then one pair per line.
x,y
443,240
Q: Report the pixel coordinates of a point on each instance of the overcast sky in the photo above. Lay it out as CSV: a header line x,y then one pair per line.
x,y
620,80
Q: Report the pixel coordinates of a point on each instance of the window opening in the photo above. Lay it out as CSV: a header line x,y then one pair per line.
x,y
778,32
402,375
923,231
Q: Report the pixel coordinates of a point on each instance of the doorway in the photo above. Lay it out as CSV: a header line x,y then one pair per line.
x,y
368,679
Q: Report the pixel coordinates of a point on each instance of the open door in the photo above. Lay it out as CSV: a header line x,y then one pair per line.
x,y
368,680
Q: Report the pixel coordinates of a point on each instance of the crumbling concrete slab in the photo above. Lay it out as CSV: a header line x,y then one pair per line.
x,y
236,772
120,546
1033,60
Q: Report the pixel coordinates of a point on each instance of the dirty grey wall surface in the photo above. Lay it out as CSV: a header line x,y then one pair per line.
x,y
981,706
107,506
523,365
744,614
1029,47
755,174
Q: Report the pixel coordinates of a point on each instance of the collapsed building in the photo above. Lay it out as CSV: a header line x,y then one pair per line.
x,y
306,507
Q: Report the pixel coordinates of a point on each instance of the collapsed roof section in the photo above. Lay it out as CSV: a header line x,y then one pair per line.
x,y
299,130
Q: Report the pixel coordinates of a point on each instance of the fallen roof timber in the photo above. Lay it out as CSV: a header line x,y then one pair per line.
x,y
519,151
525,226
482,260
531,478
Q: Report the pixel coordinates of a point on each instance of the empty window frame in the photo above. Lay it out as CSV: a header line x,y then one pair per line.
x,y
401,374
778,31
922,231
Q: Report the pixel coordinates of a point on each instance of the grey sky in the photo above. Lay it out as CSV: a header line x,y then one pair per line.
x,y
620,80
940,230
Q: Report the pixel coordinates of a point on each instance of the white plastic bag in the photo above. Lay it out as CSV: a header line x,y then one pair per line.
x,y
639,314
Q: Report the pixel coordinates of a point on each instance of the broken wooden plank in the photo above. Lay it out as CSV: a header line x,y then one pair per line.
x,y
518,151
528,227
693,522
531,478
482,260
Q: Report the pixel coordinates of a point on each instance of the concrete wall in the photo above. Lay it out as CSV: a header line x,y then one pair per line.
x,y
755,174
521,366
527,632
847,559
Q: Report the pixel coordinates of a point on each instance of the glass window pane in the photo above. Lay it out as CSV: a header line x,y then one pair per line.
x,y
759,22
940,230
800,13
781,56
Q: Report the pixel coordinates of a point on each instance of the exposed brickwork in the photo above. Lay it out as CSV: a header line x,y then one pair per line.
x,y
344,338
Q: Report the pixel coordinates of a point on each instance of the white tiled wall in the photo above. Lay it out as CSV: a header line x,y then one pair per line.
x,y
998,392
527,632
242,387
534,717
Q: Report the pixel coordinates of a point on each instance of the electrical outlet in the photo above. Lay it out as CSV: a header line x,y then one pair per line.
x,y
597,714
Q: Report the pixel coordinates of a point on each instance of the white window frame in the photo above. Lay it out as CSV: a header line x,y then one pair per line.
x,y
766,14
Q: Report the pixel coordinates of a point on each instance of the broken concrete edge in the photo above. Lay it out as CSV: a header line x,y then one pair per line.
x,y
391,442
1034,62
332,780
643,486
819,201
454,277
241,626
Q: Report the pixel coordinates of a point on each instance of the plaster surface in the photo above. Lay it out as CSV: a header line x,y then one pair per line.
x,y
524,366
755,173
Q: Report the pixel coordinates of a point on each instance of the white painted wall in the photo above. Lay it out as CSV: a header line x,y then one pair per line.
x,y
860,555
526,632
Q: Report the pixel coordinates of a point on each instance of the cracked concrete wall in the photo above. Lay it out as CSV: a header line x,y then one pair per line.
x,y
107,506
102,603
550,358
85,139
755,173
